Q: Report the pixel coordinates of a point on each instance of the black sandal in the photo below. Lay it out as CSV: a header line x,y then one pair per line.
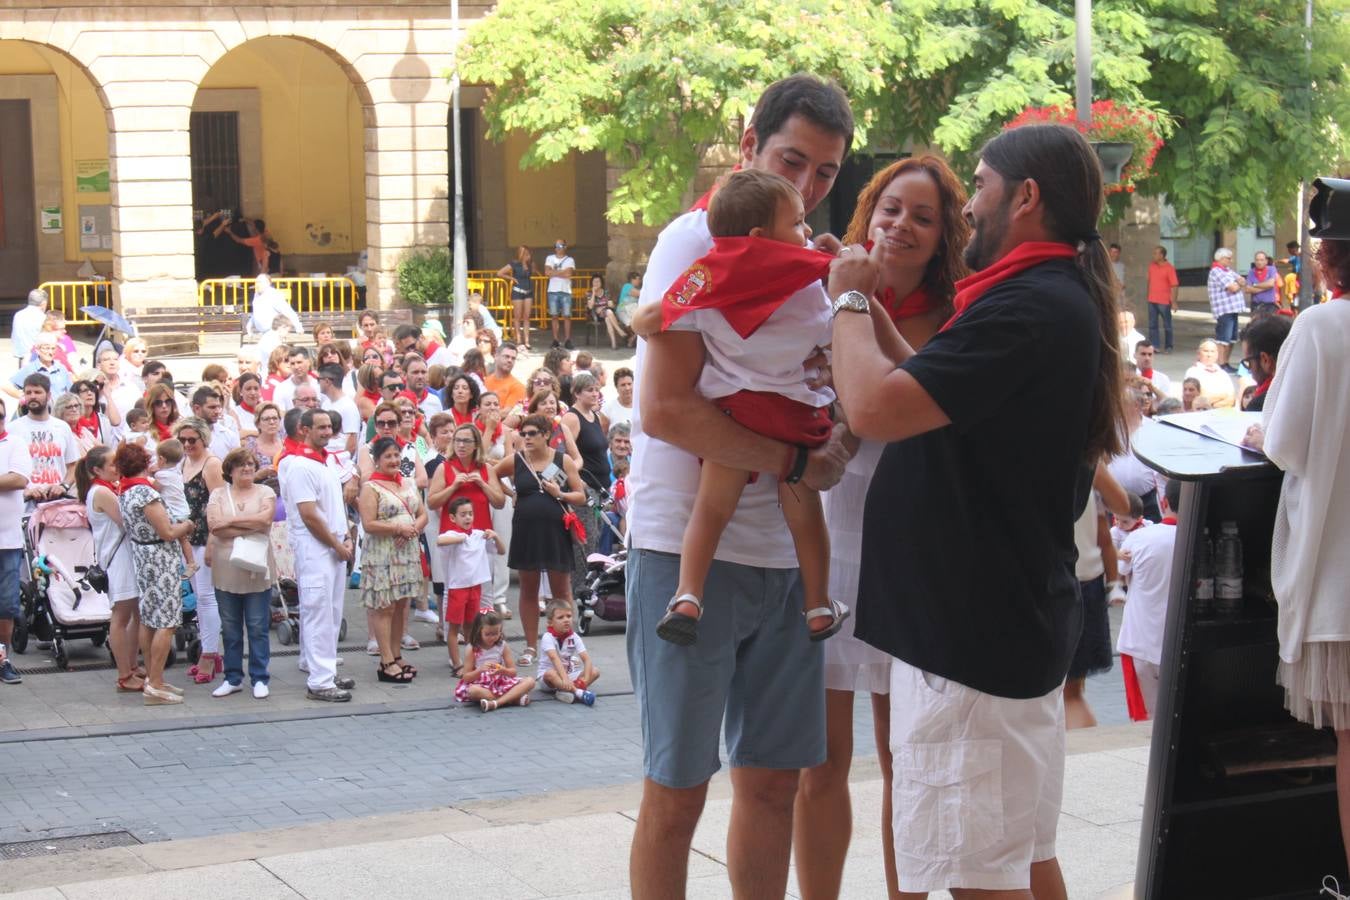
x,y
405,666
403,676
676,627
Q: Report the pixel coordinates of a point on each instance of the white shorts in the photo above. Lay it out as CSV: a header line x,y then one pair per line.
x,y
978,783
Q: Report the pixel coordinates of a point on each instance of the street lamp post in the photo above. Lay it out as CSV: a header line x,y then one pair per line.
x,y
1112,155
460,249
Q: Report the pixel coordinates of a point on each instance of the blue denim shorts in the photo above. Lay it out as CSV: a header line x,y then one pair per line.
x,y
560,303
753,671
10,561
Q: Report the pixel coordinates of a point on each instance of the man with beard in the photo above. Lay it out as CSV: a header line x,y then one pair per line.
x,y
968,551
51,445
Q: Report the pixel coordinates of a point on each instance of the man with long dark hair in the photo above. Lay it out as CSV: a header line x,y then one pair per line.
x,y
968,552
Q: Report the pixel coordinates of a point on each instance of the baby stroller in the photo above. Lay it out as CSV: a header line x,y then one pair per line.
x,y
602,591
286,613
58,603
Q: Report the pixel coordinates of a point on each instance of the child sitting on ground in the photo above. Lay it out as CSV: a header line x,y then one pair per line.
x,y
490,674
169,482
467,569
1146,556
757,221
564,665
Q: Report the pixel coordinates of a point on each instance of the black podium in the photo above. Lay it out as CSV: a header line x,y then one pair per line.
x,y
1208,831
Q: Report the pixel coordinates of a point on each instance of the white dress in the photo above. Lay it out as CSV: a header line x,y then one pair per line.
x,y
850,664
116,560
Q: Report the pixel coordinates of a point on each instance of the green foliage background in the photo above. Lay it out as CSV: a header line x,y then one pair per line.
x,y
427,276
655,83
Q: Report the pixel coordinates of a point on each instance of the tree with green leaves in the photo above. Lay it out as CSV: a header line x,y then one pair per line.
x,y
656,84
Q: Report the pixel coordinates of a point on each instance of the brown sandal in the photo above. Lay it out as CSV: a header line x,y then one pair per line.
x,y
124,684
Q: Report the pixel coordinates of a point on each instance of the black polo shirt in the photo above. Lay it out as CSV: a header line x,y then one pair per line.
x,y
968,552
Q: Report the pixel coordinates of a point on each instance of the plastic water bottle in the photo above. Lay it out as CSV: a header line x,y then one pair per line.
x,y
1202,589
1228,571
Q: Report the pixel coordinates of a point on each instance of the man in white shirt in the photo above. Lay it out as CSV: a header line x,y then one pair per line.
x,y
15,467
209,406
49,441
1144,351
755,665
620,408
316,513
558,266
299,363
1146,557
27,324
346,418
415,376
268,304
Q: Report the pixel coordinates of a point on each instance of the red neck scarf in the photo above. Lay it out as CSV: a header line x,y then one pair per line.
x,y
1169,520
396,480
1146,373
292,447
462,418
744,278
165,431
561,637
479,424
915,303
1026,255
417,398
87,423
109,485
248,409
127,484
452,526
1263,387
372,396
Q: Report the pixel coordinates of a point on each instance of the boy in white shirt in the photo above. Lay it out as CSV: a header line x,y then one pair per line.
x,y
1133,522
169,482
278,335
564,665
467,569
1146,555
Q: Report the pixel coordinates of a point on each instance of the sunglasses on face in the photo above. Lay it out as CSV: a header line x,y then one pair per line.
x,y
398,386
386,423
164,403
531,433
189,441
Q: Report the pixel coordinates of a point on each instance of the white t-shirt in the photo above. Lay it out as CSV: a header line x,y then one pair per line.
x,y
51,445
284,395
1089,565
169,483
664,478
27,325
430,404
569,651
614,411
223,438
1150,571
306,481
467,563
349,422
558,284
266,344
14,460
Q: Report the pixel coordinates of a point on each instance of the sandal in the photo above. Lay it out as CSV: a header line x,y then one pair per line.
x,y
487,705
527,658
124,684
837,610
677,627
402,677
405,666
457,670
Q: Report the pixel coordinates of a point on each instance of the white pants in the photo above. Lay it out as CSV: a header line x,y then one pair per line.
x,y
322,579
208,613
1148,675
495,593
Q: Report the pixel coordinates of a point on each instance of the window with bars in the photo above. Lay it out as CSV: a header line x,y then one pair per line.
x,y
215,163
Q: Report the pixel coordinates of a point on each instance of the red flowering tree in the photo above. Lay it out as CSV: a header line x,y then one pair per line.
x,y
1111,121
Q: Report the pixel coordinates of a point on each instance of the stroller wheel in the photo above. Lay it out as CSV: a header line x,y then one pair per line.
x,y
19,639
62,660
584,625
99,640
285,633
342,629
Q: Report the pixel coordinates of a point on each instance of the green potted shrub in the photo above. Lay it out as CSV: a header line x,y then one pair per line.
x,y
426,277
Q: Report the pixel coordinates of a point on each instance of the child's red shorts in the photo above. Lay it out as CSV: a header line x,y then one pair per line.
x,y
462,604
778,417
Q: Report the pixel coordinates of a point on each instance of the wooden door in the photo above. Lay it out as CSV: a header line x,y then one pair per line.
x,y
18,212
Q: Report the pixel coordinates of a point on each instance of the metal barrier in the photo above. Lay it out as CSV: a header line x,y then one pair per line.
x,y
496,293
334,293
71,296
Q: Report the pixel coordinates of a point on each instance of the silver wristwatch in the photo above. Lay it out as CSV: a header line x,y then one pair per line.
x,y
853,301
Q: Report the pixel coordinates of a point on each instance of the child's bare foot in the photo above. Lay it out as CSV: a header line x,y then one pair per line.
x,y
680,623
825,621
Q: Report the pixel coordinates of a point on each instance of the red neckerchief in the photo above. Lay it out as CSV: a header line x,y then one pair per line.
x,y
372,396
1138,523
292,447
248,409
915,303
401,440
1026,255
1169,520
620,490
87,423
127,484
417,398
1263,387
451,526
431,348
1146,373
165,431
462,418
478,423
746,279
109,485
4,432
392,479
560,637
702,202
1261,274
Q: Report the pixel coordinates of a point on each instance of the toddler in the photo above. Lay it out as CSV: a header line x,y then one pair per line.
x,y
750,216
564,665
490,674
1146,556
467,569
1132,522
138,427
169,483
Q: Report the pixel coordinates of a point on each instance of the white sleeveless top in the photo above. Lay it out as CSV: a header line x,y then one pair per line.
x,y
116,561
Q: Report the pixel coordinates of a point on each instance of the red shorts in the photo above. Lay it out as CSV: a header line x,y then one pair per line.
x,y
462,604
778,417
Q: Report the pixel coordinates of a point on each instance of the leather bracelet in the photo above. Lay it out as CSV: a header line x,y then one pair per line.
x,y
798,469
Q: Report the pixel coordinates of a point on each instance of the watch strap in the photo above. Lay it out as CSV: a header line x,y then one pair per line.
x,y
798,469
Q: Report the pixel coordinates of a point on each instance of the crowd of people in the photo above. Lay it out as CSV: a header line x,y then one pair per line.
x,y
614,314
422,469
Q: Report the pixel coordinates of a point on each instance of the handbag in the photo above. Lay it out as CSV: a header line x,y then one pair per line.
x,y
249,552
571,522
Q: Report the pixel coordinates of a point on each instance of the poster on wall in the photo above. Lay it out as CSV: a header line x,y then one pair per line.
x,y
91,176
51,220
95,225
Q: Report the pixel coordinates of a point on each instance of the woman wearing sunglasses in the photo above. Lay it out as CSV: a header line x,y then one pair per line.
x,y
201,476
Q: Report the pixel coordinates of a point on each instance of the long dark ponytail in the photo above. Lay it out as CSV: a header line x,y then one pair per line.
x,y
96,458
1065,169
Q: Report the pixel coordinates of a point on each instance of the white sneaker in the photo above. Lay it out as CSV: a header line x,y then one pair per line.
x,y
260,690
426,615
372,647
410,643
565,697
226,689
